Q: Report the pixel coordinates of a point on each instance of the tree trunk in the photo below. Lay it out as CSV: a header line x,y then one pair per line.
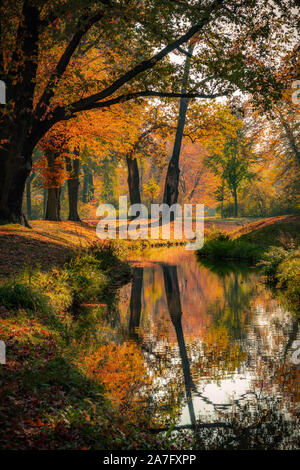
x,y
88,185
73,187
133,180
85,184
172,177
16,118
53,204
15,166
54,188
28,195
235,202
91,190
45,202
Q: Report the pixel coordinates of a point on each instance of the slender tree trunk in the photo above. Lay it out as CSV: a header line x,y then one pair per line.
x,y
73,167
235,202
133,180
88,185
172,177
54,188
91,190
85,184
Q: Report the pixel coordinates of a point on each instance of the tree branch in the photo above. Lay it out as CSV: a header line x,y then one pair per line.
x,y
86,24
61,114
149,63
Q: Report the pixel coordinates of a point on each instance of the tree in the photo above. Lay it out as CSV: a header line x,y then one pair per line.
x,y
232,164
153,130
37,95
172,176
152,189
73,168
54,148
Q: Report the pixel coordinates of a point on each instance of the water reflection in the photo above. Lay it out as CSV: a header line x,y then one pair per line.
x,y
174,306
213,338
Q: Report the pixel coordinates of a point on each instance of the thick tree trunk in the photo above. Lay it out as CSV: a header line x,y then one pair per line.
x,y
28,196
15,166
53,204
16,153
133,180
172,177
73,188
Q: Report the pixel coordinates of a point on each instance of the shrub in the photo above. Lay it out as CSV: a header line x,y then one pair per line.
x,y
17,295
230,249
282,268
271,259
217,234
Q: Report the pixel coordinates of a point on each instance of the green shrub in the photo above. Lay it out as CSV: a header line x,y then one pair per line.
x,y
271,259
282,270
217,234
17,295
230,249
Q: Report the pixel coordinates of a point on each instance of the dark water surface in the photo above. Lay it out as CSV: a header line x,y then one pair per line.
x,y
213,337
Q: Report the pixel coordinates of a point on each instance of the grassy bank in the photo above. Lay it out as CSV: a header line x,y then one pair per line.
x,y
50,322
271,243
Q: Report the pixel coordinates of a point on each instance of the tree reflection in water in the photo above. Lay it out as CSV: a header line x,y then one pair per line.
x,y
229,335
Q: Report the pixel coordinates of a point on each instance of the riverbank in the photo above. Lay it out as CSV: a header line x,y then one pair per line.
x,y
73,379
49,321
271,243
50,244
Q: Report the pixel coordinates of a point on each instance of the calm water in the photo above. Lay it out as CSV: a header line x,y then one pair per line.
x,y
213,337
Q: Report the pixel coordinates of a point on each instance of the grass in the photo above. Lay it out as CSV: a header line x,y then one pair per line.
x,y
270,243
250,242
48,399
274,231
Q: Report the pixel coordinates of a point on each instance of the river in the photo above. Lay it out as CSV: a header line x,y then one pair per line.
x,y
213,337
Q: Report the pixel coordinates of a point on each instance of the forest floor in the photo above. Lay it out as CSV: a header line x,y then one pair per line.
x,y
49,244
